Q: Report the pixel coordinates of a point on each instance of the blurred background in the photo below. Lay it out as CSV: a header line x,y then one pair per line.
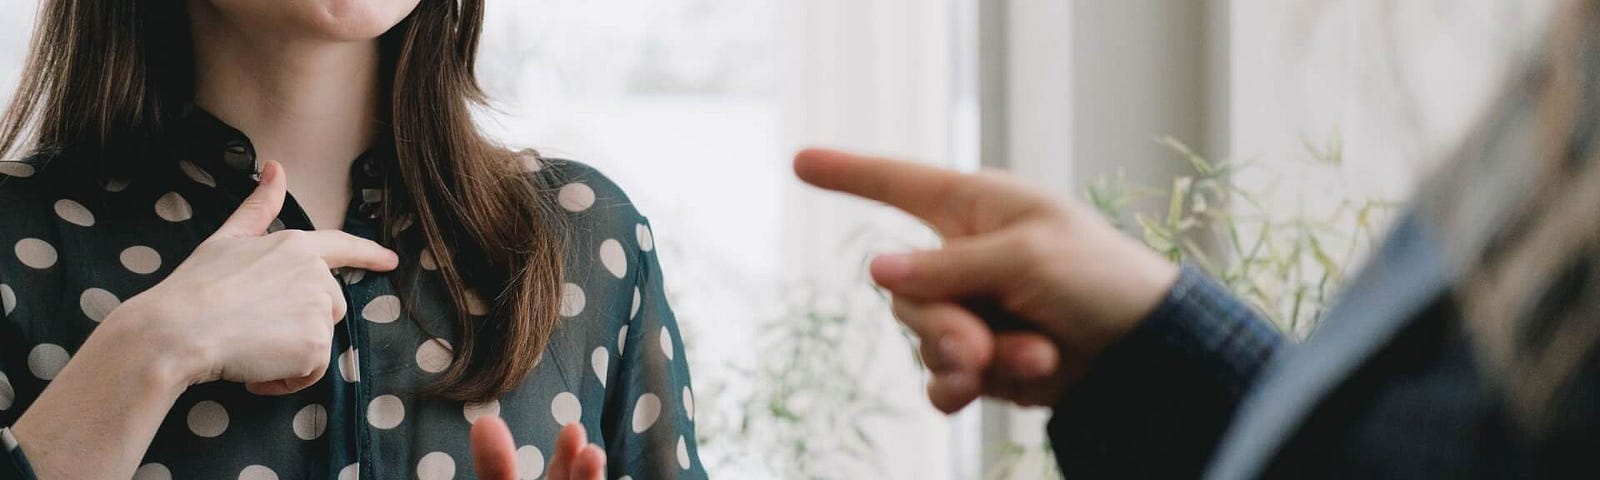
x,y
1267,139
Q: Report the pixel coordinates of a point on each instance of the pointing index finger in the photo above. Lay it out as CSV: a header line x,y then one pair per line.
x,y
917,189
951,201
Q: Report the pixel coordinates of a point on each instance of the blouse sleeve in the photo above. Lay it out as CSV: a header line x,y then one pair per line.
x,y
655,436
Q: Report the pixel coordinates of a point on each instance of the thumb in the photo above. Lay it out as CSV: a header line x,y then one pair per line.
x,y
494,454
258,210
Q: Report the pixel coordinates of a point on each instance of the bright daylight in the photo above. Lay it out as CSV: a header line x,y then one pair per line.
x,y
799,239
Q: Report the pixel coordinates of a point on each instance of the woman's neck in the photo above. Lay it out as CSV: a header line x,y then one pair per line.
x,y
311,105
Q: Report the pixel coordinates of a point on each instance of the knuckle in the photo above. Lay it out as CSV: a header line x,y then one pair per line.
x,y
312,358
292,239
340,309
319,303
1038,243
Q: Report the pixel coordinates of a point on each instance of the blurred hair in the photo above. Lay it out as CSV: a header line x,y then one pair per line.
x,y
106,80
1518,210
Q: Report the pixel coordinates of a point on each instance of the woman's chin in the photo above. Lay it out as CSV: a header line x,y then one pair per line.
x,y
359,19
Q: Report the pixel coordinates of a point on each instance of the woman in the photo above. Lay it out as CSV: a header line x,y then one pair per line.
x,y
1467,350
180,179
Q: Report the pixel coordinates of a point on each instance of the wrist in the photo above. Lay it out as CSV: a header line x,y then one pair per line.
x,y
144,335
1136,289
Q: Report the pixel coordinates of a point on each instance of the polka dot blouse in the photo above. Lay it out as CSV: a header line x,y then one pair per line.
x,y
615,364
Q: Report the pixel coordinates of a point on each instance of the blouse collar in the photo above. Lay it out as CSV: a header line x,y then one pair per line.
x,y
225,151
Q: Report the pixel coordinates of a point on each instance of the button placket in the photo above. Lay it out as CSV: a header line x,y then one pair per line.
x,y
241,156
359,221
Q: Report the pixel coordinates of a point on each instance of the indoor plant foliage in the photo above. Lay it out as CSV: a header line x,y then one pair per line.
x,y
830,371
802,408
1285,254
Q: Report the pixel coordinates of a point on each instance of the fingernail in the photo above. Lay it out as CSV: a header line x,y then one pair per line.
x,y
950,353
891,267
957,381
1038,362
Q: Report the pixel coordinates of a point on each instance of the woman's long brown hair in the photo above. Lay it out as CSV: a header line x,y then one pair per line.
x,y
108,78
1518,211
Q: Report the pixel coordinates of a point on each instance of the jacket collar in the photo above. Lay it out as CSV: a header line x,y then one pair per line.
x,y
1405,277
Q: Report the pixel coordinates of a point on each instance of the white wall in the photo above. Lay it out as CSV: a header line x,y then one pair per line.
x,y
1399,80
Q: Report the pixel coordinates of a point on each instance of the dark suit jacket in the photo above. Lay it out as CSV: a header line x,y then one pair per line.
x,y
1386,388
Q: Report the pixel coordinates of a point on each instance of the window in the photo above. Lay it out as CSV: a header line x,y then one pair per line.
x,y
695,107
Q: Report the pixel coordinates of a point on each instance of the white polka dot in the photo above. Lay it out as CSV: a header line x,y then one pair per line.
x,y
436,466
688,403
565,408
645,412
576,197
196,173
625,477
474,411
208,419
600,359
97,303
8,395
173,208
647,240
16,169
152,471
666,343
427,261
637,299
349,366
386,412
116,185
46,360
530,462
352,276
8,299
572,300
433,356
36,253
475,304
350,472
257,472
141,260
400,225
622,339
613,259
310,421
74,213
683,453
384,309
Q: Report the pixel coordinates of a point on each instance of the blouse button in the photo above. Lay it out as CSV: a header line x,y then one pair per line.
x,y
370,167
371,201
238,155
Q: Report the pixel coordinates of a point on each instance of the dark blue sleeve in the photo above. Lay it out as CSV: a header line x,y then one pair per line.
x,y
16,464
1154,404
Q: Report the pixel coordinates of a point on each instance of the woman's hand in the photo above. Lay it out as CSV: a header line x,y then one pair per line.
x,y
1078,282
252,307
494,453
245,307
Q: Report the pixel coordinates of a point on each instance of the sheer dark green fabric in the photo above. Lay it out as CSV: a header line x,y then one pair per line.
x,y
73,252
